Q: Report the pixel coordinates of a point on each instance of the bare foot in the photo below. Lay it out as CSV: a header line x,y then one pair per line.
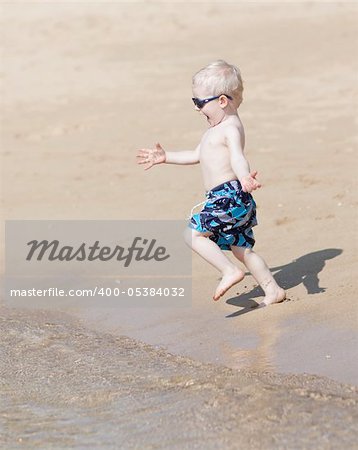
x,y
227,282
278,295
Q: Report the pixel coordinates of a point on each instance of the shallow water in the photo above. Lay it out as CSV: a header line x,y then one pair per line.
x,y
66,386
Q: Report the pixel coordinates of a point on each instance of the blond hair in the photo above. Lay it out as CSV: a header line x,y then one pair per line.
x,y
220,77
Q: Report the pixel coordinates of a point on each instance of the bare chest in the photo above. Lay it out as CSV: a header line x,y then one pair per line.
x,y
212,145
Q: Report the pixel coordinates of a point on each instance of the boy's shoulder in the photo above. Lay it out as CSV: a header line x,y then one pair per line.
x,y
228,130
234,135
233,129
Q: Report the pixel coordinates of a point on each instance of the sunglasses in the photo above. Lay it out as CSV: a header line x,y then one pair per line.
x,y
200,103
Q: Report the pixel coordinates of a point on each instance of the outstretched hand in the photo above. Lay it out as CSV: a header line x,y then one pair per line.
x,y
249,182
151,156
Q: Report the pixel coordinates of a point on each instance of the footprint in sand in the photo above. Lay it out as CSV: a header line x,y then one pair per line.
x,y
284,220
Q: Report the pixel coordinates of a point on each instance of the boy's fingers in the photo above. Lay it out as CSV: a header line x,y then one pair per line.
x,y
141,156
144,157
142,152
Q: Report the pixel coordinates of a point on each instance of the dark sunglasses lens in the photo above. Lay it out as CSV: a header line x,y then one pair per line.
x,y
198,103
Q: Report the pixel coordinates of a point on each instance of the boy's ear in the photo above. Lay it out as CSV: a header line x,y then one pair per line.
x,y
223,101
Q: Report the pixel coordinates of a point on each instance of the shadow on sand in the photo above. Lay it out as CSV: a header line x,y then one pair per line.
x,y
302,270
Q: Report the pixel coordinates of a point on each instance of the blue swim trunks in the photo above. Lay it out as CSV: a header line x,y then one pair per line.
x,y
229,213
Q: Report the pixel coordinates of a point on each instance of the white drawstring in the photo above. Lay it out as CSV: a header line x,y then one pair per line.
x,y
196,206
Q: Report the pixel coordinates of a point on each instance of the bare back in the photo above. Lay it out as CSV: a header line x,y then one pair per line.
x,y
214,153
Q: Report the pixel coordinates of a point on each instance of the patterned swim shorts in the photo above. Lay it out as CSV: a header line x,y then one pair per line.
x,y
229,213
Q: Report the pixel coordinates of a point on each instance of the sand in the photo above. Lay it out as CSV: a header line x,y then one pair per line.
x,y
84,85
65,386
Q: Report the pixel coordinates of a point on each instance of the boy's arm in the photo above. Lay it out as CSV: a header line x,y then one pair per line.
x,y
158,155
239,163
183,157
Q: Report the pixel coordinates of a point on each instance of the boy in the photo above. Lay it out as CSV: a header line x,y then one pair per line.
x,y
229,213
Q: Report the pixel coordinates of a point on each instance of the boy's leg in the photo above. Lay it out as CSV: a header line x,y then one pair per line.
x,y
212,253
259,270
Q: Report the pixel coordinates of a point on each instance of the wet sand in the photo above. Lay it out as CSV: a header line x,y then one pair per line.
x,y
83,87
66,386
283,338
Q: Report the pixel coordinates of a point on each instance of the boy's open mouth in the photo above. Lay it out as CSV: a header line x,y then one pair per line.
x,y
205,115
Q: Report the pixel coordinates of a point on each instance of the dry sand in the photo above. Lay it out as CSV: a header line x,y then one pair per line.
x,y
84,85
